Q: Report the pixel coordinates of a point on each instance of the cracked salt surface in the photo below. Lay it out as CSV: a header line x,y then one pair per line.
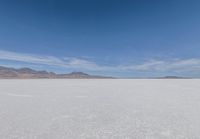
x,y
100,109
18,95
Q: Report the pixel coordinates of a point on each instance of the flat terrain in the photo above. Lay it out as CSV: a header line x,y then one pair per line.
x,y
100,109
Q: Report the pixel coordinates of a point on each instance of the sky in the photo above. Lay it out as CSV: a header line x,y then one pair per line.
x,y
122,38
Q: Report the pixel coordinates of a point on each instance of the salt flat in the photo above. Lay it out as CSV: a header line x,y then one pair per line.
x,y
100,109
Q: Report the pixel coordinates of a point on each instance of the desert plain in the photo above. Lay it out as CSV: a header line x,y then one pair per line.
x,y
100,109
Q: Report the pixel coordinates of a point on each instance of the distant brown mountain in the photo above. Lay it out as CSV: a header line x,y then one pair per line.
x,y
27,73
173,77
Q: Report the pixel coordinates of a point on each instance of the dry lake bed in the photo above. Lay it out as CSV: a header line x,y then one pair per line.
x,y
100,109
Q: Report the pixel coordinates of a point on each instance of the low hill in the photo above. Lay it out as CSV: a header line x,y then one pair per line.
x,y
27,73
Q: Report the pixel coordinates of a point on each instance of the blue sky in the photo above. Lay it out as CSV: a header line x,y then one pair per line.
x,y
125,38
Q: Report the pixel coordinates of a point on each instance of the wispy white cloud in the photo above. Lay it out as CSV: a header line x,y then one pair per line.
x,y
66,62
29,58
177,65
78,63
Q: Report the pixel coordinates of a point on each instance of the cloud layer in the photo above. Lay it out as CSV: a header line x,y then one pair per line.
x,y
175,65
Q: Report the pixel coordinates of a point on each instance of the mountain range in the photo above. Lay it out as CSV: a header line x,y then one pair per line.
x,y
28,73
